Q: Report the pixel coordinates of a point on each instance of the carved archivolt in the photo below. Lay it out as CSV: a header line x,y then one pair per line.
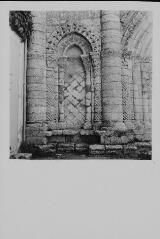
x,y
74,34
130,20
73,39
63,30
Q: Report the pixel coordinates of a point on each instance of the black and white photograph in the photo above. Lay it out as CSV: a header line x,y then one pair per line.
x,y
81,84
80,120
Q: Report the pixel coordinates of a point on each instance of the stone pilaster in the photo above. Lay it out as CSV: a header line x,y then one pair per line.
x,y
36,82
127,90
146,98
137,85
97,89
61,70
111,71
88,116
138,102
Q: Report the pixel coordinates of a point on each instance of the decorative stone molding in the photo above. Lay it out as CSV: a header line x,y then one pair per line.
x,y
127,54
129,21
63,30
69,35
73,39
127,89
88,117
97,90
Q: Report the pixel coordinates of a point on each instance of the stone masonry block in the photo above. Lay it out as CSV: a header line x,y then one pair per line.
x,y
36,110
130,151
36,140
113,107
114,151
37,125
112,70
34,117
70,132
36,103
112,116
110,25
81,148
111,100
114,85
56,139
32,62
36,87
36,94
96,149
110,61
35,133
57,132
36,79
65,147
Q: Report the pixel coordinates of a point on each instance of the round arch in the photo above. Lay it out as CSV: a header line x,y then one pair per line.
x,y
72,39
74,28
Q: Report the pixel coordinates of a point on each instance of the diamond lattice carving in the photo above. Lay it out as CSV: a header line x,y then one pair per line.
x,y
74,96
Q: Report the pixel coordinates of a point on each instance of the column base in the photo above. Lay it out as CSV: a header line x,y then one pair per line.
x,y
115,126
129,125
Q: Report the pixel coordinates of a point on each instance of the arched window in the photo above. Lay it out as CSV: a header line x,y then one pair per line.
x,y
74,51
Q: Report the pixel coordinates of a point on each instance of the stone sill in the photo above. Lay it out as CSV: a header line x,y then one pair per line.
x,y
69,132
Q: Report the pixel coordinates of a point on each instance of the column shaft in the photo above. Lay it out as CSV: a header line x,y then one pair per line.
x,y
111,71
36,81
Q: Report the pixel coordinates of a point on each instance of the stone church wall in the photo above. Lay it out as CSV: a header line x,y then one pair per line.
x,y
116,60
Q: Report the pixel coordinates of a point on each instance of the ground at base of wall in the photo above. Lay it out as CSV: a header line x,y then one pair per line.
x,y
21,156
139,151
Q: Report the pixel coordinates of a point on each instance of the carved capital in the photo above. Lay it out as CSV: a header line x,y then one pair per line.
x,y
61,61
86,62
95,56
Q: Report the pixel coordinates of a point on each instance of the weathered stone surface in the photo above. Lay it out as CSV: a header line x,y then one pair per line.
x,y
145,155
87,70
48,133
44,150
65,147
143,145
35,132
56,139
87,132
57,132
97,149
130,151
81,148
21,156
36,140
114,151
70,132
